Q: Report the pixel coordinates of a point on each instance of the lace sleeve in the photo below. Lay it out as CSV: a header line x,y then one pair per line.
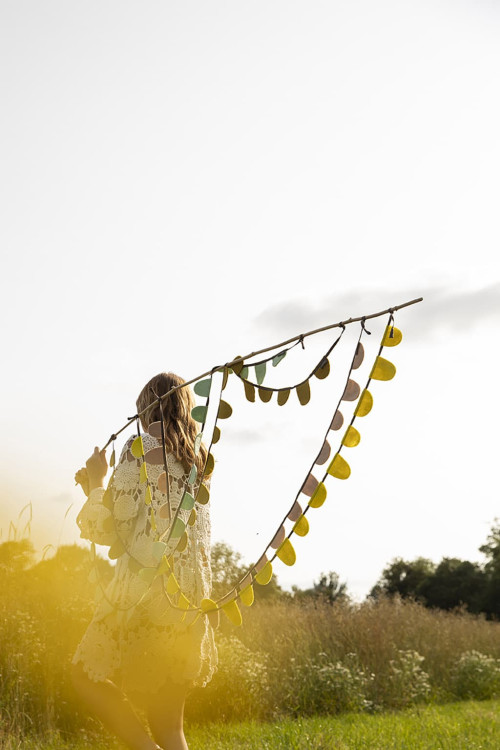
x,y
97,519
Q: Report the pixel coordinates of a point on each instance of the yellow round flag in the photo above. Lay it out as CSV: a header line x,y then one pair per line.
x,y
301,527
172,585
247,596
383,369
183,602
339,468
265,575
318,497
232,612
137,447
351,438
286,553
365,404
396,338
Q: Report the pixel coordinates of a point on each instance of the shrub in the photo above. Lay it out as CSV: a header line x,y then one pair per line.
x,y
323,686
408,683
476,676
239,688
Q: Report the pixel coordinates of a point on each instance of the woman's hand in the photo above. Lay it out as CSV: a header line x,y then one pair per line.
x,y
97,466
82,477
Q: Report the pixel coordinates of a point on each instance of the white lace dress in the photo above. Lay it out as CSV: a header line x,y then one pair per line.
x,y
136,638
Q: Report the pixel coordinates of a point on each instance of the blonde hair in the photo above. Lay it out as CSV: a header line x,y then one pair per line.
x,y
175,410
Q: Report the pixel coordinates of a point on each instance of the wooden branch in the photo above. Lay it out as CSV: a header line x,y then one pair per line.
x,y
235,361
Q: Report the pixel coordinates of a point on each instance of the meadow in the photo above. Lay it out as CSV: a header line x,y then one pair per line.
x,y
298,669
457,726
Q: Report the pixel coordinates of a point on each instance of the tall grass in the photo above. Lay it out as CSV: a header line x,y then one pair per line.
x,y
288,659
316,657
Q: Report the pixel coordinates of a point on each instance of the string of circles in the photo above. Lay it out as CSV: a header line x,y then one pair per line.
x,y
195,491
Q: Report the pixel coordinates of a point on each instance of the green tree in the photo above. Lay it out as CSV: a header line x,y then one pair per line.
x,y
228,570
455,583
491,598
328,588
451,583
404,578
492,548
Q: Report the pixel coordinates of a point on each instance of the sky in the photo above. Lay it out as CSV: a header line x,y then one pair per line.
x,y
183,182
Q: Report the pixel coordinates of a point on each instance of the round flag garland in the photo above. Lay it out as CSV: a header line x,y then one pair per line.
x,y
196,492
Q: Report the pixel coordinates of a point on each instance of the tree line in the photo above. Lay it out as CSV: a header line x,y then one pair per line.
x,y
449,584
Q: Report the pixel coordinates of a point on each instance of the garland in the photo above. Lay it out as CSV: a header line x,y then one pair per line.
x,y
195,491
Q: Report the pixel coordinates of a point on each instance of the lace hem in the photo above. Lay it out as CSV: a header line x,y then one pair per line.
x,y
148,656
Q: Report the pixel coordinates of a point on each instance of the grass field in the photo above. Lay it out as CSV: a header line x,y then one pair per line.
x,y
456,726
290,663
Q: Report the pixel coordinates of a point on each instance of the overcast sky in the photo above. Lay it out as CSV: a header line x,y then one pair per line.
x,y
183,182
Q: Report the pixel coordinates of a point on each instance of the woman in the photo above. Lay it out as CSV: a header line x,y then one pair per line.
x,y
137,646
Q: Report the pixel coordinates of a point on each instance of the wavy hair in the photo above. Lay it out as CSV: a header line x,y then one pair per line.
x,y
175,410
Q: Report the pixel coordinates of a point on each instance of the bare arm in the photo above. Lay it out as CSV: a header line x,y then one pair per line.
x,y
97,467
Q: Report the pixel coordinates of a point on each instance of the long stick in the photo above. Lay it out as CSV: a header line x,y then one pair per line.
x,y
235,361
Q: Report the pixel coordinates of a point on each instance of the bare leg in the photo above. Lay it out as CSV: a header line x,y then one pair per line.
x,y
109,704
166,717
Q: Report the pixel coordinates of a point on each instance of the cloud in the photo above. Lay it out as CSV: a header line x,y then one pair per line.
x,y
249,436
245,437
443,308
